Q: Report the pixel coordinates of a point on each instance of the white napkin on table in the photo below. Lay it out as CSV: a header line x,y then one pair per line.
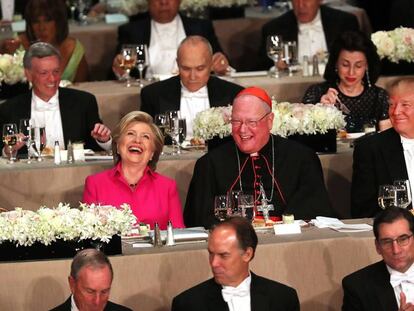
x,y
336,224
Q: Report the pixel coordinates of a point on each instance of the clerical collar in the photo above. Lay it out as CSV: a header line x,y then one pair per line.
x,y
313,22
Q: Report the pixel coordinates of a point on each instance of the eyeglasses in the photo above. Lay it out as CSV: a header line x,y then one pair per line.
x,y
402,240
248,123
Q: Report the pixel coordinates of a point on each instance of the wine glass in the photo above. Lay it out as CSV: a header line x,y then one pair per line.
x,y
183,129
39,136
386,196
160,120
402,193
142,60
290,55
274,48
10,139
246,206
173,130
221,207
24,130
128,61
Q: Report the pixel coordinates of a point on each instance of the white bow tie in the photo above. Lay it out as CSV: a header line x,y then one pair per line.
x,y
50,106
201,93
229,292
409,146
317,27
397,279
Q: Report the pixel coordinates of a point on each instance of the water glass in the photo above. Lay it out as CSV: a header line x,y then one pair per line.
x,y
142,61
402,193
10,140
246,206
387,196
274,49
221,207
26,137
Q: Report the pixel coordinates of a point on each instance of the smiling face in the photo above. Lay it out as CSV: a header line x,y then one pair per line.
x,y
44,74
136,144
351,68
306,10
401,109
45,29
250,139
163,11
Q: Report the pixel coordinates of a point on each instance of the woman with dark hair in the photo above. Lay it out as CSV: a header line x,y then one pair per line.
x,y
352,70
46,21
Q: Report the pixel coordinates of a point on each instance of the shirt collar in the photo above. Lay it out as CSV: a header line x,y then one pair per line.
x,y
245,284
166,27
317,21
41,105
117,171
201,92
73,306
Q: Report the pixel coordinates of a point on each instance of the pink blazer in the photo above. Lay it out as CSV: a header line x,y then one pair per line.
x,y
154,199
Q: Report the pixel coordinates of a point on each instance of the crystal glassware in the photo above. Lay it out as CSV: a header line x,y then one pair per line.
x,y
128,61
290,56
10,138
173,130
386,196
38,134
402,193
221,207
245,206
160,120
142,61
274,49
26,137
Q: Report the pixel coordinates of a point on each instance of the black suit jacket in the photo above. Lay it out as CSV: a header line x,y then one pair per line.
x,y
334,22
78,110
139,31
378,160
165,95
110,306
369,289
265,295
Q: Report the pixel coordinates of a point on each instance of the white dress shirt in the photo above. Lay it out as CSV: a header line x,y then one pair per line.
x,y
311,38
408,147
238,298
192,103
164,42
402,282
73,306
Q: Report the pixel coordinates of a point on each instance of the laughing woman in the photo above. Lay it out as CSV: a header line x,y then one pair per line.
x,y
137,144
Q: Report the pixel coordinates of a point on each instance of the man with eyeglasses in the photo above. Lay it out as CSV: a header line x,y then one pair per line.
x,y
385,157
389,283
282,175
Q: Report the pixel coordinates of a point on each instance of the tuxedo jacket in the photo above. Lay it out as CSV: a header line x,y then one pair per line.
x,y
265,295
334,22
378,160
369,289
165,95
110,306
78,110
139,31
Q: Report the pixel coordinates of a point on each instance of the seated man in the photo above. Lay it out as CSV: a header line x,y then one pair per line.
x,y
162,29
90,282
194,90
231,246
387,156
67,114
282,175
312,25
389,283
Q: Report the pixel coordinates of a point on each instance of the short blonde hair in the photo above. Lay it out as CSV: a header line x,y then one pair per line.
x,y
142,117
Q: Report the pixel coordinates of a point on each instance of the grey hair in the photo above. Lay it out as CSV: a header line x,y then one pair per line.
x,y
39,50
194,40
89,257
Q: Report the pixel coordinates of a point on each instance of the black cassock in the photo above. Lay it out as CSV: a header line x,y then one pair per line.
x,y
297,170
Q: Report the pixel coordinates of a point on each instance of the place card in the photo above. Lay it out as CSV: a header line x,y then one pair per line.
x,y
287,229
115,18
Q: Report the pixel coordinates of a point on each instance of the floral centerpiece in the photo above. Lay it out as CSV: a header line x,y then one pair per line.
x,y
395,45
11,68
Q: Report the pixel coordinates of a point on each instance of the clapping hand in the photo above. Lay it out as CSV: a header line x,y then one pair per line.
x,y
404,305
101,133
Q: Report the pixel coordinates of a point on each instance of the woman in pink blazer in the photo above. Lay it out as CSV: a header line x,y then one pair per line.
x,y
137,145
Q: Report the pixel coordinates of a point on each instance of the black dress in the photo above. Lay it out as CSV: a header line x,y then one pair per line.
x,y
368,107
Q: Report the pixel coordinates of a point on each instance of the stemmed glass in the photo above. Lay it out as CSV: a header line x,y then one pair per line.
x,y
26,137
402,193
39,136
142,61
221,207
386,196
173,130
10,139
246,206
274,48
290,55
160,120
183,130
128,61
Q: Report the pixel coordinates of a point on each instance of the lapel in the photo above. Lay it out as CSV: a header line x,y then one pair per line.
x,y
146,31
393,155
25,106
383,289
66,115
213,93
215,300
171,96
328,26
258,298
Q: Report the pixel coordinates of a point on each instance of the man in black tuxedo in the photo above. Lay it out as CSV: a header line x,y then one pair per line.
x,y
387,284
194,90
67,114
90,282
313,26
162,29
231,247
387,156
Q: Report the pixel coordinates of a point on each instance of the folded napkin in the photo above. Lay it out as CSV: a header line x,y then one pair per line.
x,y
336,224
185,235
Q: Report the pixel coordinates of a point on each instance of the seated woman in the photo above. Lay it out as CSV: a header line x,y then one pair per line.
x,y
352,70
137,144
46,20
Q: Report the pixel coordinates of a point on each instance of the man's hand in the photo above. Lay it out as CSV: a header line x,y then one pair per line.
x,y
101,133
404,306
220,63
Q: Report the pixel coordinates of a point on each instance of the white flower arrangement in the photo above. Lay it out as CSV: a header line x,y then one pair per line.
x,y
11,67
47,225
288,119
396,45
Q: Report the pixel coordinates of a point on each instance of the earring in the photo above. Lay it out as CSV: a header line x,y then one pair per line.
x,y
368,81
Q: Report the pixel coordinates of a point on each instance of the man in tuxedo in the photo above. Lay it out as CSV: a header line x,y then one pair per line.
x,y
387,284
90,282
194,90
312,25
231,247
284,176
67,114
162,29
382,158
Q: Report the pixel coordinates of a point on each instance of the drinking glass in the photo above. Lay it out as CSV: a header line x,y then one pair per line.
x,y
160,120
233,203
290,55
221,207
402,193
39,136
10,139
386,196
26,137
246,206
274,49
183,130
173,130
128,61
142,60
